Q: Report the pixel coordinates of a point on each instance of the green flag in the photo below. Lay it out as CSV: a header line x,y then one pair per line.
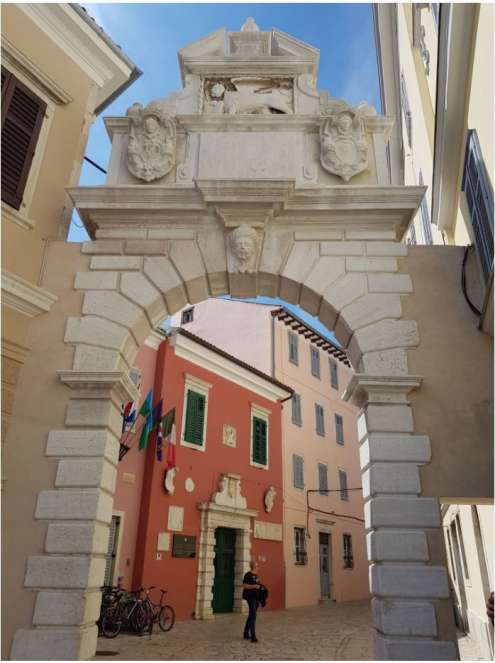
x,y
146,411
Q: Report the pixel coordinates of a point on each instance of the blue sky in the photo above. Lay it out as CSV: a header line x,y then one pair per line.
x,y
151,35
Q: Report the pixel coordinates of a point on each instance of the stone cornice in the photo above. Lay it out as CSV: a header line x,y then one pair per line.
x,y
218,508
198,122
24,297
85,382
385,389
374,206
233,65
12,56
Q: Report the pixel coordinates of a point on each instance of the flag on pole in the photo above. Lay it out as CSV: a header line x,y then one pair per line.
x,y
156,415
129,414
168,423
146,412
159,442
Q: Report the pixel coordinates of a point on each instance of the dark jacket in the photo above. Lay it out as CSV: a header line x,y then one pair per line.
x,y
250,579
262,595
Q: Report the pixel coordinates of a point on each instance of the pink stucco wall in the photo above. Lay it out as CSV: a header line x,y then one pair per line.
x,y
240,328
130,474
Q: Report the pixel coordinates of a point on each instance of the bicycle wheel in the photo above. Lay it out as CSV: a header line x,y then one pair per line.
x,y
141,620
166,618
111,622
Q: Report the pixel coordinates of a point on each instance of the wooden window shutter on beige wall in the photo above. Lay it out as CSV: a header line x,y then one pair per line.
x,y
22,116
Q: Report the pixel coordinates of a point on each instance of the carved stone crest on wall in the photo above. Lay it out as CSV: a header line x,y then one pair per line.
x,y
229,435
229,492
152,142
344,150
269,498
242,249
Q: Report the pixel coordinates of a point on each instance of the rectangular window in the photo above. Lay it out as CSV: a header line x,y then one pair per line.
x,y
406,108
425,216
320,421
22,117
187,316
315,362
452,564
301,557
339,429
334,374
296,410
293,350
461,546
195,418
322,479
259,441
348,556
297,471
479,196
344,494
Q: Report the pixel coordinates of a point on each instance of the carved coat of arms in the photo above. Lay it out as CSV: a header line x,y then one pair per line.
x,y
344,150
152,141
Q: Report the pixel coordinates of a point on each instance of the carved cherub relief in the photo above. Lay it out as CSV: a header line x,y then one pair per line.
x,y
152,142
243,246
269,500
344,150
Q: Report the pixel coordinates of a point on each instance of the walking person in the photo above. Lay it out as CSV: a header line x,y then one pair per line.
x,y
251,586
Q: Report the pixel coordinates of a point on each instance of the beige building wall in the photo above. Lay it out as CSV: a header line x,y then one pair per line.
x,y
468,531
303,580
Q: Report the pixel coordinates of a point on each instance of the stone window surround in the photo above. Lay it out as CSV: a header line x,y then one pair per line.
x,y
263,413
192,383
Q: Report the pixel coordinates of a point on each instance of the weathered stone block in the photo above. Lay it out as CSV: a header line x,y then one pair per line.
x,y
137,288
415,581
385,362
83,443
345,290
388,334
404,617
389,418
50,644
370,234
86,473
118,263
414,650
96,281
371,264
76,537
388,447
398,478
91,358
402,512
94,413
74,505
397,545
146,247
108,247
59,572
386,249
400,283
112,306
95,331
371,308
66,608
341,248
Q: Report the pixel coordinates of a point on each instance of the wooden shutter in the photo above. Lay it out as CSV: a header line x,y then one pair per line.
x,y
298,471
293,354
339,429
320,423
315,362
22,115
334,376
296,410
344,495
195,417
322,478
259,441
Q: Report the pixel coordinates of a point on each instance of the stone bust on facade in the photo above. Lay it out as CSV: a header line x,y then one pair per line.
x,y
344,150
152,140
269,499
243,249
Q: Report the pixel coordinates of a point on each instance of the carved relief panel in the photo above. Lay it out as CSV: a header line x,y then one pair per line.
x,y
344,150
248,95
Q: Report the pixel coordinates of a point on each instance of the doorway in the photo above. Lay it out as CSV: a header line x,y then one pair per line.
x,y
223,584
325,564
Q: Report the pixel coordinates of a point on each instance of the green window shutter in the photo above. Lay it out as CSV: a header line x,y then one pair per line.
x,y
259,441
195,417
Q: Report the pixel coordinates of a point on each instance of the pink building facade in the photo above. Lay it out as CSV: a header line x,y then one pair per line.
x,y
324,536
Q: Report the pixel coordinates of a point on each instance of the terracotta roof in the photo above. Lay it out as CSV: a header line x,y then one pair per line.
x,y
239,362
301,327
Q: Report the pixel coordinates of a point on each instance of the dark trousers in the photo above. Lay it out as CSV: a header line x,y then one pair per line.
x,y
250,628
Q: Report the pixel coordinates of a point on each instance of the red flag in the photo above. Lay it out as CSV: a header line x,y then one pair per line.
x,y
171,449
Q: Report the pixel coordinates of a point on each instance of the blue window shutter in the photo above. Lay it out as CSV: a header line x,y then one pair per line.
x,y
334,375
320,422
339,429
344,495
296,410
298,471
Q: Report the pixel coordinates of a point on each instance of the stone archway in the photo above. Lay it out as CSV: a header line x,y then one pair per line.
x,y
352,280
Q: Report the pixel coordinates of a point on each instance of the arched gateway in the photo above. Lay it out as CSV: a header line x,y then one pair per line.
x,y
250,182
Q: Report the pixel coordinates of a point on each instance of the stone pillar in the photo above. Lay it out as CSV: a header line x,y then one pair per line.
x,y
242,558
408,577
206,570
78,509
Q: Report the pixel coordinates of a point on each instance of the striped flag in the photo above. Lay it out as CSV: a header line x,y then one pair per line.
x,y
168,422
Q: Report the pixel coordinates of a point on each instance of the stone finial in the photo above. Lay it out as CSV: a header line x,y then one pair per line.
x,y
250,25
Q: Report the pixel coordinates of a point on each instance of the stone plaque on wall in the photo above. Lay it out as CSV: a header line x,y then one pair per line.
x,y
163,543
270,531
229,435
175,518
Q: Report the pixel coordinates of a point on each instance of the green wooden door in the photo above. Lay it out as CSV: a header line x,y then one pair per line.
x,y
223,585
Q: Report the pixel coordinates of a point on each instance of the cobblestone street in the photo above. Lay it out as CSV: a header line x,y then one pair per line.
x,y
331,631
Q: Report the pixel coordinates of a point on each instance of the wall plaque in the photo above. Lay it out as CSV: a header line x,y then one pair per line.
x,y
270,531
176,518
184,546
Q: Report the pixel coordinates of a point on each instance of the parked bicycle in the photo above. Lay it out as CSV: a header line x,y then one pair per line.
x,y
126,611
158,613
